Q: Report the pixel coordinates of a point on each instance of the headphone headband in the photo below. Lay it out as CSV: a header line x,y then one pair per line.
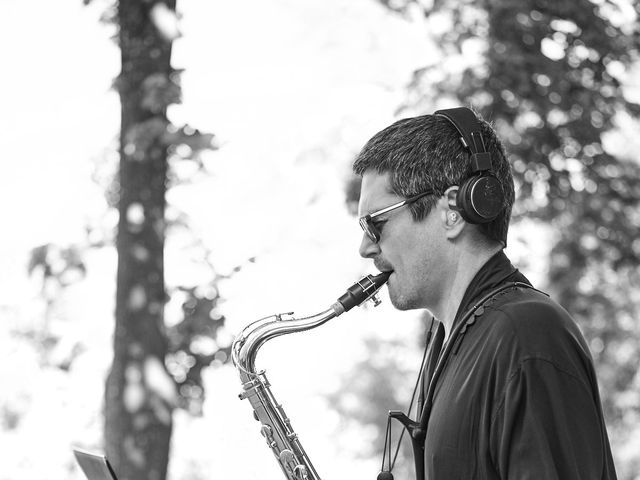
x,y
468,127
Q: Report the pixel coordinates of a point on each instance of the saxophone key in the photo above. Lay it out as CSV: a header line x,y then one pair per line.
x,y
267,433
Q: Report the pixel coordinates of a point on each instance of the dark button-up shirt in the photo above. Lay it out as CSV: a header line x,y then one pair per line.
x,y
517,397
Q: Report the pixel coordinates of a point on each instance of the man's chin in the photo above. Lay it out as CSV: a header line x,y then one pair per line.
x,y
400,306
398,301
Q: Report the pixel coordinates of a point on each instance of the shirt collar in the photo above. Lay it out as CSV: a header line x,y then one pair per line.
x,y
495,272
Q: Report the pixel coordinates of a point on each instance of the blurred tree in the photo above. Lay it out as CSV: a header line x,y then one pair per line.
x,y
141,394
156,367
548,75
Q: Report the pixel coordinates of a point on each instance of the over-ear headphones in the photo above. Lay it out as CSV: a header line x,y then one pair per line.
x,y
480,198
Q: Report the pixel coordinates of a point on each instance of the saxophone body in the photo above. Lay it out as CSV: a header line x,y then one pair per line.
x,y
275,425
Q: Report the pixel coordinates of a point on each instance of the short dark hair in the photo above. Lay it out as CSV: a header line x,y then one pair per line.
x,y
425,152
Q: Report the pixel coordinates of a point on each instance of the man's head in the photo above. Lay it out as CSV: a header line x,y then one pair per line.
x,y
425,153
423,240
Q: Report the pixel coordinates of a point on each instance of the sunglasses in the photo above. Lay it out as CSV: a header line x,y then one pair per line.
x,y
372,229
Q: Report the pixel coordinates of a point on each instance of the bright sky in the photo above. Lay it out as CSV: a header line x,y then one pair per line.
x,y
292,90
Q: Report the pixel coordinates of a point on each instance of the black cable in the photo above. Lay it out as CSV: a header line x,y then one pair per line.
x,y
413,397
387,439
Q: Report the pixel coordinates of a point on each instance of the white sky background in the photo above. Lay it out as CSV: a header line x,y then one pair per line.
x,y
292,89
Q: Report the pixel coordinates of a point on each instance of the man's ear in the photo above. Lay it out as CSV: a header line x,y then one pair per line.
x,y
451,194
453,221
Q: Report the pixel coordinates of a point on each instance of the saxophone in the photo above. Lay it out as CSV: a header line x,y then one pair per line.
x,y
276,426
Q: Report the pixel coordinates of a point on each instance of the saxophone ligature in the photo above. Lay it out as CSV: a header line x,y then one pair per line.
x,y
276,426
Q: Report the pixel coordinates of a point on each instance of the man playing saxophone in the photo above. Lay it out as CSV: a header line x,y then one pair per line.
x,y
508,389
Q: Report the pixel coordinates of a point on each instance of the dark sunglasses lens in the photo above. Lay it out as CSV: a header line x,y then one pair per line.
x,y
370,229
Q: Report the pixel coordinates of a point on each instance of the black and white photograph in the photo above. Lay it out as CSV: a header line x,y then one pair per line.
x,y
320,239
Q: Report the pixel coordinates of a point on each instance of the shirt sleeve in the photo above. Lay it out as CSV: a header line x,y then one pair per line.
x,y
548,426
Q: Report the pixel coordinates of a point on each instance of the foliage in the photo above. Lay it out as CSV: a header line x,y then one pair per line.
x,y
548,82
57,268
549,76
364,383
194,344
60,265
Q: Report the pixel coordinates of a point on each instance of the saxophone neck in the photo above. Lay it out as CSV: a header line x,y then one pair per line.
x,y
246,346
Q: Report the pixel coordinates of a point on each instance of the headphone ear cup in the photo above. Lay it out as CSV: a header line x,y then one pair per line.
x,y
480,199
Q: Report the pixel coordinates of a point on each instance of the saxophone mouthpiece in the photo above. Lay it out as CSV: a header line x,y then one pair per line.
x,y
362,290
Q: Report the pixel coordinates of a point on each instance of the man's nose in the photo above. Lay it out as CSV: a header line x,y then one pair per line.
x,y
368,248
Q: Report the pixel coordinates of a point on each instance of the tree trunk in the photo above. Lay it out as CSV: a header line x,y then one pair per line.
x,y
140,396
